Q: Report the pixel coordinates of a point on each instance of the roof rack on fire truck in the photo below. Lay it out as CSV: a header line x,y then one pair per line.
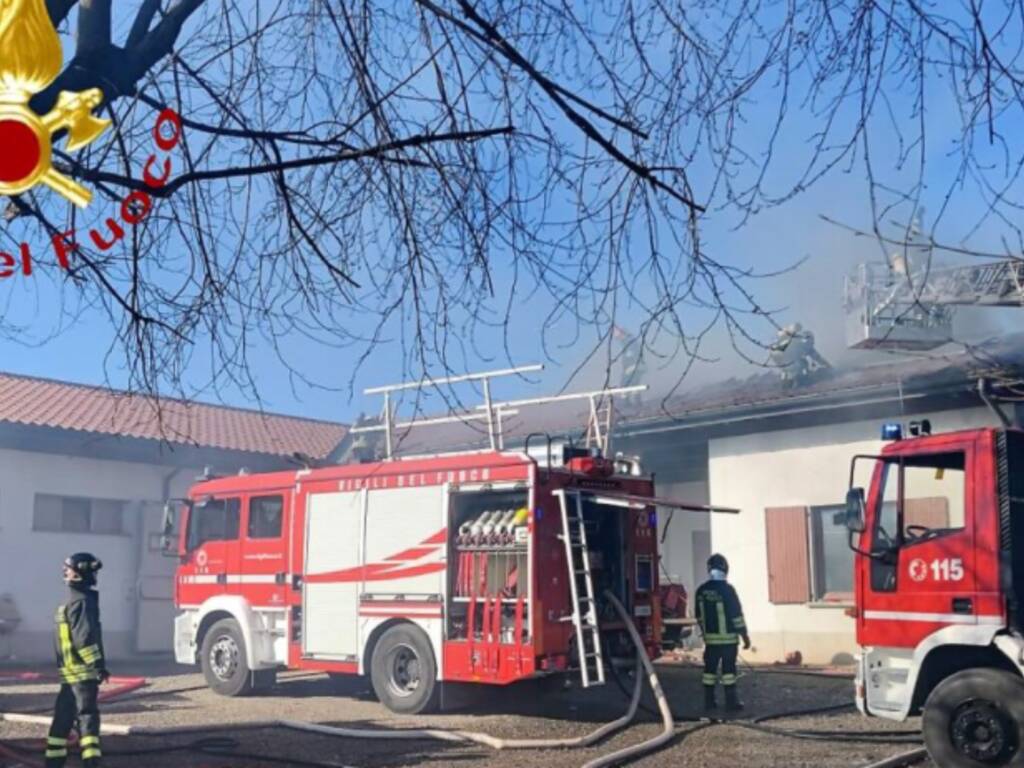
x,y
599,419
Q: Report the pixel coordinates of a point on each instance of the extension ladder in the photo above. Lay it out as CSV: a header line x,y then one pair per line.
x,y
581,586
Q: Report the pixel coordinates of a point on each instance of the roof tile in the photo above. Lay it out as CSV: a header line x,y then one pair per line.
x,y
64,405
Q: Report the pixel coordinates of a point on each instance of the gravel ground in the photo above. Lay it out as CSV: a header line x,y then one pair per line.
x,y
523,711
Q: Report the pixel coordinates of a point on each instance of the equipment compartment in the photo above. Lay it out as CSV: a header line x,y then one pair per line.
x,y
489,585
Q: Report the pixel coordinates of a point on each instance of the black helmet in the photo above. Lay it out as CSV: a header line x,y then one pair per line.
x,y
84,567
718,563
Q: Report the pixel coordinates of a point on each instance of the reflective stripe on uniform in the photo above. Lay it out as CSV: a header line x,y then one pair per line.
x,y
709,678
728,679
72,670
723,625
51,753
91,654
729,639
88,741
53,741
91,752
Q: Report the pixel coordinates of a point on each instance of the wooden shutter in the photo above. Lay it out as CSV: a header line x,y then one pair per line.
x,y
789,575
931,512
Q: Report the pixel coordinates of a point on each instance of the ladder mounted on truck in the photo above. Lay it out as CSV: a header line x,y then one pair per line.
x,y
599,422
909,301
581,589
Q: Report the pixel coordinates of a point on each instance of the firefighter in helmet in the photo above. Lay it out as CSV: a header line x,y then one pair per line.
x,y
79,645
721,622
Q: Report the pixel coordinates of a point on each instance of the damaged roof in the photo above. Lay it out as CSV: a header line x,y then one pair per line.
x,y
1000,363
925,377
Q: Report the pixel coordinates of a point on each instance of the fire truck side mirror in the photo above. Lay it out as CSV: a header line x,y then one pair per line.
x,y
855,510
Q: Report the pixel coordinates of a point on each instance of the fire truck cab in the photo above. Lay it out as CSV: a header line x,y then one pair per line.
x,y
939,573
486,567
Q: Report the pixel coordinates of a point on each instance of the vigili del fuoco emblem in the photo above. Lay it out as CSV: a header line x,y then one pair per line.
x,y
30,60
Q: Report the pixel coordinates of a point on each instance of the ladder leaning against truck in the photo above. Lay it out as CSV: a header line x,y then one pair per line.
x,y
939,571
481,567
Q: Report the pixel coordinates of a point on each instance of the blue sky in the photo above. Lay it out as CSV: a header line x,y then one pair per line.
x,y
769,241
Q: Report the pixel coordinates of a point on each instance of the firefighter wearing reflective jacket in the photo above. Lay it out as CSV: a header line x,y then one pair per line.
x,y
79,645
721,622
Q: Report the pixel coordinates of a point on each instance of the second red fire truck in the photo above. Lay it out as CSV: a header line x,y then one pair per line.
x,y
939,537
482,567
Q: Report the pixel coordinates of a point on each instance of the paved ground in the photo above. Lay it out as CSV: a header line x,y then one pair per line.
x,y
180,699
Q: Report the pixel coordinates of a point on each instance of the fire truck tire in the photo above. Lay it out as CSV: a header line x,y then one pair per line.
x,y
223,658
975,719
403,671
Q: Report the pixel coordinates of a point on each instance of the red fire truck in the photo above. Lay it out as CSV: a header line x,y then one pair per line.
x,y
939,538
480,567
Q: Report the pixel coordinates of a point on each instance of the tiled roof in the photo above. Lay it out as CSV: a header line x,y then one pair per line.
x,y
956,371
960,368
63,405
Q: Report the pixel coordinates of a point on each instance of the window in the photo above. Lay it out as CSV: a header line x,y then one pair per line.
x,y
213,520
809,559
923,498
265,513
73,514
933,497
831,556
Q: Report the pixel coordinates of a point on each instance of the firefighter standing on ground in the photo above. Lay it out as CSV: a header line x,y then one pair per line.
x,y
79,645
721,622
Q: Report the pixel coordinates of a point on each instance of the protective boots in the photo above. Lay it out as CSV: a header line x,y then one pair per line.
x,y
56,752
732,699
709,698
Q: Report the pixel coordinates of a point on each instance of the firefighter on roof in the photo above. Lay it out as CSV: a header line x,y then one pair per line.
x,y
79,645
721,622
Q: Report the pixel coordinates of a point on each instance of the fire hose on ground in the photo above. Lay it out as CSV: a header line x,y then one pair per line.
x,y
587,740
229,747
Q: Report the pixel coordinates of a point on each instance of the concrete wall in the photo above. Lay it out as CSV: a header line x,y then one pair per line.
x,y
677,551
32,560
800,467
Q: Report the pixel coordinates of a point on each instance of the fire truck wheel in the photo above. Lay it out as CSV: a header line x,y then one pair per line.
x,y
224,661
403,671
975,719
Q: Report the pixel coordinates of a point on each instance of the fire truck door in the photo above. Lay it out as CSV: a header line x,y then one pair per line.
x,y
264,564
923,576
212,549
332,575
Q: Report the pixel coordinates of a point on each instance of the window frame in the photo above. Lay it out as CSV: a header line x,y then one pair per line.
x,y
818,596
249,517
190,544
90,501
886,563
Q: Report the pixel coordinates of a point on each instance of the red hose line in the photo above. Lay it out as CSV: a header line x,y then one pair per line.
x,y
19,759
122,686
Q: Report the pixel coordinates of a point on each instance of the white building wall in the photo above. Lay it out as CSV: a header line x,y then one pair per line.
x,y
799,467
32,560
678,559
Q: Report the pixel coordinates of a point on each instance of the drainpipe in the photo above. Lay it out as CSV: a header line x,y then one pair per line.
x,y
992,405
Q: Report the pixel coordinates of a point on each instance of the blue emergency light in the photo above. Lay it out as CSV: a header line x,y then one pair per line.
x,y
892,430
